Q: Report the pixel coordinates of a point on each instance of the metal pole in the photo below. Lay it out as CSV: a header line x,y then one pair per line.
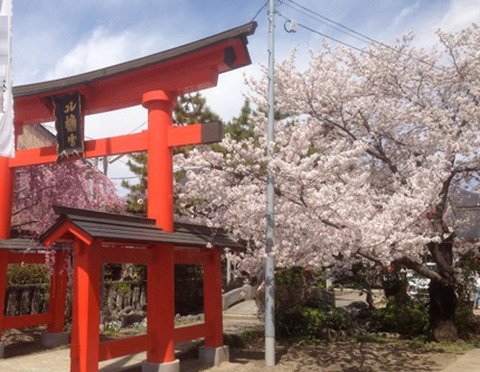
x,y
270,263
229,271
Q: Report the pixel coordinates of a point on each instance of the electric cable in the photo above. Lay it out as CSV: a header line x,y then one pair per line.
x,y
259,10
334,39
346,30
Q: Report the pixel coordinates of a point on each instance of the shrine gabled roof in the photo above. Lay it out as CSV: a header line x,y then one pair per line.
x,y
111,227
22,244
184,69
26,245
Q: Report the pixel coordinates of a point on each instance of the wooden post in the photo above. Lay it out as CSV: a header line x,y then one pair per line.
x,y
7,177
212,284
84,350
160,166
6,197
161,305
58,292
160,274
3,287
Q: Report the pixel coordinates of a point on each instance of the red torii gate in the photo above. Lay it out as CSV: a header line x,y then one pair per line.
x,y
153,81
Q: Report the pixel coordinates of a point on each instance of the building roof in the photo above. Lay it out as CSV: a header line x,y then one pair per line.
x,y
111,227
22,244
28,245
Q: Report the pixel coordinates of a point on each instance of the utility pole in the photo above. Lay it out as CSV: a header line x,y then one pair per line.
x,y
270,262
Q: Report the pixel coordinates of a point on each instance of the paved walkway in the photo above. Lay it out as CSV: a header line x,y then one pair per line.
x,y
237,319
468,362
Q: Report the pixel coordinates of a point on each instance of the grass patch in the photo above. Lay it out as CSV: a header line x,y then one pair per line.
x,y
243,339
370,338
451,347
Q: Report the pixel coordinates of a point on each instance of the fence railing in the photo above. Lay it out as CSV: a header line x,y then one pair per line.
x,y
125,301
244,293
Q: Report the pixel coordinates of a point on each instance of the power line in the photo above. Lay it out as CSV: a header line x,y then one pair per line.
x,y
346,30
141,125
259,10
334,39
263,7
124,178
349,30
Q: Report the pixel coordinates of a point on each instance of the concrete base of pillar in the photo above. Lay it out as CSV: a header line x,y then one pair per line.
x,y
161,367
54,339
214,355
2,350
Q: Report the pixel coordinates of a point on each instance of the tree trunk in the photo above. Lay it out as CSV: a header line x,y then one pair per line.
x,y
443,303
369,299
394,286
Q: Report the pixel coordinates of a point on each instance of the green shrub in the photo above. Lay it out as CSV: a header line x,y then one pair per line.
x,y
297,313
312,321
309,322
408,319
465,321
27,274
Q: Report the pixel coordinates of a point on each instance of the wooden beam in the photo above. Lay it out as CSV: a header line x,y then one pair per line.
x,y
127,346
126,255
27,258
182,70
194,134
26,320
93,149
188,333
186,257
63,229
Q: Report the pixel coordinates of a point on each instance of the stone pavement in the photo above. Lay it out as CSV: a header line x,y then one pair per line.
x,y
245,309
468,362
237,319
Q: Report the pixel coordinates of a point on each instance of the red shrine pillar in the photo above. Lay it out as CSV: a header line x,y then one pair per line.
x,y
55,335
7,176
84,347
161,283
212,279
214,352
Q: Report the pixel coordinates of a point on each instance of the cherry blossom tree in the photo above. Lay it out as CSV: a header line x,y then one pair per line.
x,y
367,152
73,184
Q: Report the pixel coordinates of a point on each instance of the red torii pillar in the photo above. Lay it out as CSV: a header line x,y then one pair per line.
x,y
55,335
162,137
6,192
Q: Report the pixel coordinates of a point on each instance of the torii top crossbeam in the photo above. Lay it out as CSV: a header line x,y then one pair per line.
x,y
180,70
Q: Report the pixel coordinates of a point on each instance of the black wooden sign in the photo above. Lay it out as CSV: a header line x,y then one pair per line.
x,y
69,125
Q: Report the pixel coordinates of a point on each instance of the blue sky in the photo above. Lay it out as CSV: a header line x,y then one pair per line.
x,y
53,39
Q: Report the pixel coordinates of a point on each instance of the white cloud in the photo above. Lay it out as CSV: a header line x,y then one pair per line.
x,y
405,12
101,49
457,15
461,14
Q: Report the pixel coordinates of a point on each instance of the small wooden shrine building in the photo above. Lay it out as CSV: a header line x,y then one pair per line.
x,y
99,238
155,82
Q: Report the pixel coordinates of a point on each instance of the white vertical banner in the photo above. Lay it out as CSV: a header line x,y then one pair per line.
x,y
7,137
